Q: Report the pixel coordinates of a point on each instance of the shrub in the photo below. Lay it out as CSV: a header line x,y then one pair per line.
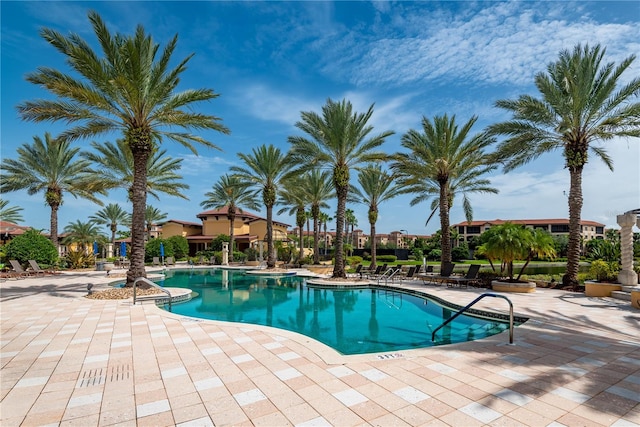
x,y
80,259
252,254
180,246
32,245
604,271
386,258
486,277
152,249
239,256
354,260
460,252
216,244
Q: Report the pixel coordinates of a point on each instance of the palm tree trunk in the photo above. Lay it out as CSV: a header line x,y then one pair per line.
x,y
114,228
445,242
53,231
271,259
338,268
232,220
373,246
139,190
301,251
316,235
575,208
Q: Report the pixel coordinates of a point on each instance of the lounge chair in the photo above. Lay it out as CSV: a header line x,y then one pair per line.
x,y
170,261
470,278
379,272
357,273
438,279
35,267
410,274
156,261
201,260
18,270
212,260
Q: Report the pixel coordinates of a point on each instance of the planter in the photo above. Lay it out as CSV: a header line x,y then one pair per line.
x,y
600,289
635,299
252,263
520,287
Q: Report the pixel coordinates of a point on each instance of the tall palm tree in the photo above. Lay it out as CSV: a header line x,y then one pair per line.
x,y
116,169
152,216
81,233
10,214
339,140
234,194
444,160
324,219
582,101
294,198
130,89
376,187
318,187
50,166
265,168
112,215
349,220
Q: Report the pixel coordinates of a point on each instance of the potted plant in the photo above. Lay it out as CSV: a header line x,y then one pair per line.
x,y
509,242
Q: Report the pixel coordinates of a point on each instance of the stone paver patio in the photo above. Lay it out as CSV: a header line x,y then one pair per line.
x,y
68,360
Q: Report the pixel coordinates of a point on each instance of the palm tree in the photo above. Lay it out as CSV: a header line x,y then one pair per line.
x,y
116,170
231,192
112,215
318,188
152,216
50,166
11,213
324,219
294,197
128,90
81,233
265,169
377,187
339,141
349,220
582,100
442,161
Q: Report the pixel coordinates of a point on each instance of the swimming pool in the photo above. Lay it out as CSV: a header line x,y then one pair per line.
x,y
352,321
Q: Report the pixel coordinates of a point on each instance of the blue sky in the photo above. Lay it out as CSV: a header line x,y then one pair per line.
x,y
271,60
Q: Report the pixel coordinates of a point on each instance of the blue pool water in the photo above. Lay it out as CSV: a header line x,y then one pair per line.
x,y
352,321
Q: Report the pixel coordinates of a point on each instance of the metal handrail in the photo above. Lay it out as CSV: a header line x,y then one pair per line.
x,y
462,310
149,282
389,274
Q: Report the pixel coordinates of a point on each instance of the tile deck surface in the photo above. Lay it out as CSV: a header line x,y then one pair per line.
x,y
69,360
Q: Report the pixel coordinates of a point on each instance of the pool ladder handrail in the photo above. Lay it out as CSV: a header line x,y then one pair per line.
x,y
462,310
389,274
149,282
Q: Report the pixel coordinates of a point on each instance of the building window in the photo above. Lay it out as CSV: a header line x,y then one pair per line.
x,y
599,230
473,229
461,229
559,228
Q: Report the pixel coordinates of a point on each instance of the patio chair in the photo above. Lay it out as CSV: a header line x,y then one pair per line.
x,y
201,260
35,267
18,270
212,260
439,278
170,261
357,273
470,278
156,261
378,272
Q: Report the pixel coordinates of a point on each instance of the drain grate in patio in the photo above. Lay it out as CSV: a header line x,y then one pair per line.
x,y
93,377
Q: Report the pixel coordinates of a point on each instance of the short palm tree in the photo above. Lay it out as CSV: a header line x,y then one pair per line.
x,y
294,198
444,160
82,234
264,169
10,214
582,101
234,194
350,220
115,168
324,219
338,141
152,216
112,215
50,166
376,187
318,187
130,90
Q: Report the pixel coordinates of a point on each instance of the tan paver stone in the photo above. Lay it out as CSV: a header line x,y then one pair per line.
x,y
89,420
155,420
298,414
344,417
188,413
270,420
571,419
458,418
120,416
390,420
369,410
